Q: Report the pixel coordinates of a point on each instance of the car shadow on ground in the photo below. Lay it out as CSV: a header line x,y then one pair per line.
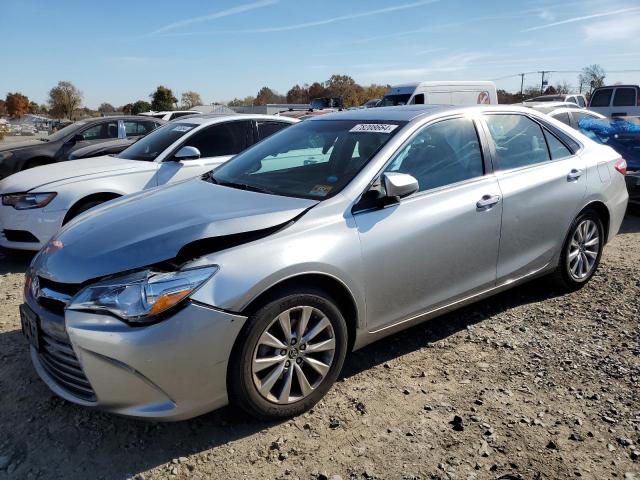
x,y
14,261
107,437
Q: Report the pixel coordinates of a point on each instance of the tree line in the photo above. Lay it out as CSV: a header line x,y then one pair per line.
x,y
65,99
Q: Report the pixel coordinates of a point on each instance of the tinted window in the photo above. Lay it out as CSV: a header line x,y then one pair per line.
x,y
601,97
266,129
311,159
393,100
581,102
419,99
557,149
440,154
563,117
221,139
138,128
624,97
149,147
101,131
519,141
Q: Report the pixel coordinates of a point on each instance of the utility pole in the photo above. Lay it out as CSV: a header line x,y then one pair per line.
x,y
521,86
542,82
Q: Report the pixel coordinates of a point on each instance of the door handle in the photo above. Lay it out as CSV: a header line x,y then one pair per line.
x,y
487,201
574,174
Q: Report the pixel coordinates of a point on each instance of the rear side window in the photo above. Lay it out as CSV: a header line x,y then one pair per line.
x,y
266,129
519,141
563,117
581,102
624,97
601,97
557,149
137,128
440,154
221,139
101,131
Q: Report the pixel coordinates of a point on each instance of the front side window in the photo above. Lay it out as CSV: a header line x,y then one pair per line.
x,y
101,131
419,99
221,139
624,97
601,98
519,141
312,159
148,148
394,100
440,154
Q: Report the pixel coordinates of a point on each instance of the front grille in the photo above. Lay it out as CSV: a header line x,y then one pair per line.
x,y
54,297
19,236
60,362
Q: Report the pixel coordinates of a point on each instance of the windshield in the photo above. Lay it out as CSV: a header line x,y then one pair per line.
x,y
394,100
150,146
314,159
320,103
65,131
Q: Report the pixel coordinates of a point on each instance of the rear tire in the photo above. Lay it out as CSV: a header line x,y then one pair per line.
x,y
274,373
581,251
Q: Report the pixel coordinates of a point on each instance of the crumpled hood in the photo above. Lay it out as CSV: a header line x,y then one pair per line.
x,y
152,226
21,145
47,175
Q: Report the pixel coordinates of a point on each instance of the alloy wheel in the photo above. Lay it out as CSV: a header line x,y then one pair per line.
x,y
293,355
583,250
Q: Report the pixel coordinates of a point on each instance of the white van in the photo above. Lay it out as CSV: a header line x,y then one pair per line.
x,y
616,101
447,93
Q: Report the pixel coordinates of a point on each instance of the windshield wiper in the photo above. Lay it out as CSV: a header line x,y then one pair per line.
x,y
241,186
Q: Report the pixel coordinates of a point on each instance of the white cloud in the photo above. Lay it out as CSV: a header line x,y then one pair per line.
x,y
583,18
341,18
624,28
452,63
224,13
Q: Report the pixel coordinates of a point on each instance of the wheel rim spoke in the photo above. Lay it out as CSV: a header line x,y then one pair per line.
x,y
317,365
271,341
260,364
304,321
285,323
319,327
305,387
323,346
285,393
270,380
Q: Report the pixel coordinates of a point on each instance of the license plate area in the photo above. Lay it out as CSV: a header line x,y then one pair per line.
x,y
30,326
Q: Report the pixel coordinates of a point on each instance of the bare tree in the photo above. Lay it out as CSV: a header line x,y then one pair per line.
x,y
591,77
64,99
191,99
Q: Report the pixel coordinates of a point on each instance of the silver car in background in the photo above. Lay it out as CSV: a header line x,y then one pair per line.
x,y
252,283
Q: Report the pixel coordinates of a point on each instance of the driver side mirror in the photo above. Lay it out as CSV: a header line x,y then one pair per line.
x,y
399,185
186,153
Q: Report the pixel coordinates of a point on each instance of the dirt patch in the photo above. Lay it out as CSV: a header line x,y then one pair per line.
x,y
529,384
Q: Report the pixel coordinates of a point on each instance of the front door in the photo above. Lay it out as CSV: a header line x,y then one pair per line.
x,y
440,244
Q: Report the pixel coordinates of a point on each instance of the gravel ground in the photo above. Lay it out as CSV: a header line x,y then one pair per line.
x,y
530,384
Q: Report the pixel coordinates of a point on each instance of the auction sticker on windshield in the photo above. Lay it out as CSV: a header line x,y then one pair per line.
x,y
181,128
374,127
320,190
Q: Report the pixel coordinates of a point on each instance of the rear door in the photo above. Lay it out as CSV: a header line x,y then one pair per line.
x,y
438,245
217,143
542,182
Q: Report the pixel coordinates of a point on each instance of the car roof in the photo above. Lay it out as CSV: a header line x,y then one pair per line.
x,y
407,113
206,118
119,117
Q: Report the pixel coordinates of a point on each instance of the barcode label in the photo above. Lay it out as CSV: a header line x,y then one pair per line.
x,y
374,127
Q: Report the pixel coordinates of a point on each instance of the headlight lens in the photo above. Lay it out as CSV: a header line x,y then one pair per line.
x,y
140,296
26,201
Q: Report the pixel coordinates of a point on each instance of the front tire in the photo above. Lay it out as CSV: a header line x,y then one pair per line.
x,y
288,356
581,251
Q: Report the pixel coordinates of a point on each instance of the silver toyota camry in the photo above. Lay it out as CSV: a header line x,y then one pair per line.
x,y
251,284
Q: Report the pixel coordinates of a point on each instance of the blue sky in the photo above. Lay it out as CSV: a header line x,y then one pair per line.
x,y
119,51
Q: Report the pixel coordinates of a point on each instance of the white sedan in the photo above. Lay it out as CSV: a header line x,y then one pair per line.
x,y
37,202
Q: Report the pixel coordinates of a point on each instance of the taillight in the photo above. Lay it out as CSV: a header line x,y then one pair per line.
x,y
621,166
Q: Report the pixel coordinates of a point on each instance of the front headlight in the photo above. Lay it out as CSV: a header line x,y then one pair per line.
x,y
140,296
26,201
